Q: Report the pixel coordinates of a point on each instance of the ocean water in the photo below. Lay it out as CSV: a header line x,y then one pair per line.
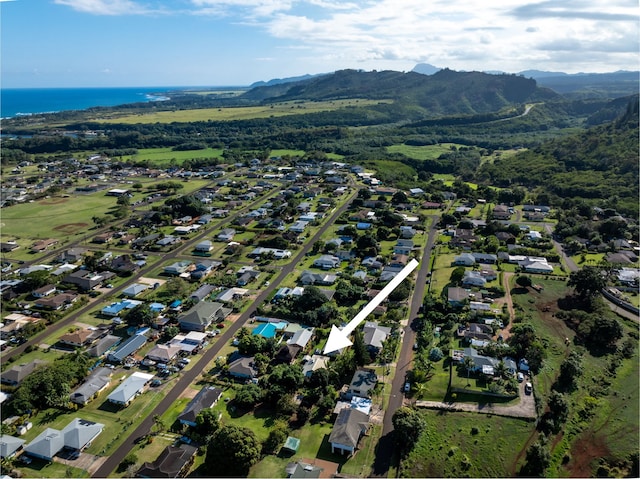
x,y
25,101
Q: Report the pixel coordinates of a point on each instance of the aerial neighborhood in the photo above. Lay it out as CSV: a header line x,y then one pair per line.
x,y
172,319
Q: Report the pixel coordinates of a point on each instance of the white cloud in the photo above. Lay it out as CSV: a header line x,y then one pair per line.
x,y
510,35
105,7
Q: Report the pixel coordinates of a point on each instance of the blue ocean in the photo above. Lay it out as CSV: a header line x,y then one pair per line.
x,y
25,101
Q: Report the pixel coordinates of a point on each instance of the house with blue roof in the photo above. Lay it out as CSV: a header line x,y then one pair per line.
x,y
114,309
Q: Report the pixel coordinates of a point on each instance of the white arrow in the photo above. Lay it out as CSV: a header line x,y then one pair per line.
x,y
339,338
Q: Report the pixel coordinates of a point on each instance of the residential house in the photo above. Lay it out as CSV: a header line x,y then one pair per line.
x,y
403,246
177,268
204,268
103,345
114,309
124,264
9,446
231,294
301,337
247,276
243,368
473,278
226,234
16,374
349,427
87,280
457,297
485,258
163,353
78,338
57,302
309,277
103,238
130,388
375,336
135,289
536,265
486,364
127,348
94,384
362,383
407,232
501,212
327,262
44,291
206,398
173,461
200,316
204,247
46,445
313,363
202,292
299,227
465,259
80,433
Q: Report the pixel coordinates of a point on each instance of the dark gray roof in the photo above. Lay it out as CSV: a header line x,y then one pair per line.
x,y
205,398
349,426
130,346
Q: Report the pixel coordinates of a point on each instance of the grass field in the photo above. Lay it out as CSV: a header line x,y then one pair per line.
x,y
63,218
427,152
239,113
449,448
163,157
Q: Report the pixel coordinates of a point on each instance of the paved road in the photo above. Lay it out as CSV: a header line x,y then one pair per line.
x,y
386,446
188,376
113,293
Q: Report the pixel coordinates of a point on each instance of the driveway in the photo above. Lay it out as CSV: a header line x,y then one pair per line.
x,y
525,409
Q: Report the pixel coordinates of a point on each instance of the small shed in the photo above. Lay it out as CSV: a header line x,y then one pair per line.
x,y
291,445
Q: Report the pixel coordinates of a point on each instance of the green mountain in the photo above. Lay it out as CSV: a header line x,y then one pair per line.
x,y
446,92
599,164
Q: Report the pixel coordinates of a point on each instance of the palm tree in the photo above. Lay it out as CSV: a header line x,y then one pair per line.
x,y
468,364
501,369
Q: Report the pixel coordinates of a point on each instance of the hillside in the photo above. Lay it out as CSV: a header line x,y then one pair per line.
x,y
446,92
589,165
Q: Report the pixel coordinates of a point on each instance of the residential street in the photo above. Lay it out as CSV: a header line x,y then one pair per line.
x,y
188,376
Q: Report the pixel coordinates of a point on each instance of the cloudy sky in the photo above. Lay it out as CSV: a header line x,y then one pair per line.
x,y
58,43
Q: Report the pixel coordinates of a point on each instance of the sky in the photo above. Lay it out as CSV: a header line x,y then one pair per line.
x,y
100,43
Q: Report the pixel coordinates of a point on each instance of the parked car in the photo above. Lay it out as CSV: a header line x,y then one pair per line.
x,y
407,387
528,388
520,377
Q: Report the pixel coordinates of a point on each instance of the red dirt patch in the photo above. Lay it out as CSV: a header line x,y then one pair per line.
x,y
584,451
71,228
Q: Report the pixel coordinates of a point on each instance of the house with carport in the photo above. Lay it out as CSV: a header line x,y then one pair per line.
x,y
129,389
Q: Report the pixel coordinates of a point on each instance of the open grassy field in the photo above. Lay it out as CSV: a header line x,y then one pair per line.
x,y
63,217
239,113
449,448
163,157
427,152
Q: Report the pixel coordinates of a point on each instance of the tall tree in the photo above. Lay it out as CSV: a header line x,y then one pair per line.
x,y
360,353
232,451
587,282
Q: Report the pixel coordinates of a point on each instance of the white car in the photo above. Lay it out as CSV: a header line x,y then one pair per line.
x,y
520,377
528,388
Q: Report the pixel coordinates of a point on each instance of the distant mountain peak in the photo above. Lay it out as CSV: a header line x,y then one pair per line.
x,y
426,69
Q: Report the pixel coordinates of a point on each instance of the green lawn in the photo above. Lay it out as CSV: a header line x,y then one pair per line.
x,y
449,448
427,152
41,468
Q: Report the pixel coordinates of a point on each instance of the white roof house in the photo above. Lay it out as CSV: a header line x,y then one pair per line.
x,y
46,445
9,445
79,433
129,389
